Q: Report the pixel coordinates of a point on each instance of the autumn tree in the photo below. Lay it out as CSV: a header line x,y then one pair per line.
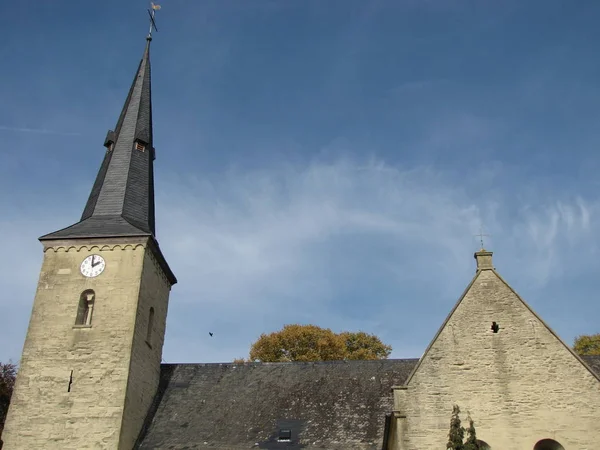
x,y
8,372
313,343
361,346
587,344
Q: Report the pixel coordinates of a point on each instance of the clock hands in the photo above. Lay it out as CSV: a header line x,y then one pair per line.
x,y
92,266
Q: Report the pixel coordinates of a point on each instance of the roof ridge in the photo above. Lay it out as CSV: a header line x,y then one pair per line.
x,y
578,357
267,363
461,298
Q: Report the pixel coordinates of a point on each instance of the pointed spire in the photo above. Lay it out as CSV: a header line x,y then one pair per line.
x,y
121,202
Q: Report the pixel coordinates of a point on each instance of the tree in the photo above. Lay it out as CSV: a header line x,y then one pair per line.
x,y
587,344
363,346
313,343
8,373
471,442
457,432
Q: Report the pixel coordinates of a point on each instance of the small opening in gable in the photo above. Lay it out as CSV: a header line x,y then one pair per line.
x,y
139,146
495,327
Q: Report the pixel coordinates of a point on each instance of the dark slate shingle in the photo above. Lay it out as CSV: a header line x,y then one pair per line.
x,y
593,362
328,405
121,202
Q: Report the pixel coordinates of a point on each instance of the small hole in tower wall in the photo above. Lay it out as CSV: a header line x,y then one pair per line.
x,y
150,327
495,327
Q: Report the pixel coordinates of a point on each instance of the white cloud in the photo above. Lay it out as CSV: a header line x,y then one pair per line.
x,y
19,270
271,247
37,131
346,244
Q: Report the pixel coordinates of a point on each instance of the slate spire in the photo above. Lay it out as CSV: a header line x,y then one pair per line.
x,y
121,202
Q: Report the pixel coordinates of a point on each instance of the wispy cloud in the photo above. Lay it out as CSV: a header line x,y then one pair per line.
x,y
36,131
347,244
555,232
469,127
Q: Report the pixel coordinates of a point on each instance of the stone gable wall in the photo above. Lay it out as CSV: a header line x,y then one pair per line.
x,y
520,385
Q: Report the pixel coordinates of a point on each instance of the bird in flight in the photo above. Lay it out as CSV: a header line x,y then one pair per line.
x,y
210,334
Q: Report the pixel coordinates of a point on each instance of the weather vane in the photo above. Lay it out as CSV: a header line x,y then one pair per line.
x,y
481,236
154,8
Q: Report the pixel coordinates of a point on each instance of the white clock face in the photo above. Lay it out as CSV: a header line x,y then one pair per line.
x,y
92,266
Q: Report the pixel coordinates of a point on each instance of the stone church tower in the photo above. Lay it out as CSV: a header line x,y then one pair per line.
x,y
91,360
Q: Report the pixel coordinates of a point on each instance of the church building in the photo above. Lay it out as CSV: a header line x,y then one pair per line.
x,y
91,376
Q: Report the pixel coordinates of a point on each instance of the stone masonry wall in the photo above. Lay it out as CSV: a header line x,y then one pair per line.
x,y
146,353
43,414
520,385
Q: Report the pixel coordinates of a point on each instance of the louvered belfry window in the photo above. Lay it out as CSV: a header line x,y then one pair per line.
x,y
139,146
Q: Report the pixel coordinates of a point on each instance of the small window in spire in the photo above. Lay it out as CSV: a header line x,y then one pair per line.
x,y
139,146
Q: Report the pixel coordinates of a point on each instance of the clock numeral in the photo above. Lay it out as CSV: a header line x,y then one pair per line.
x,y
92,266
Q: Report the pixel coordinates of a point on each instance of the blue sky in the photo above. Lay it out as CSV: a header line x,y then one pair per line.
x,y
317,162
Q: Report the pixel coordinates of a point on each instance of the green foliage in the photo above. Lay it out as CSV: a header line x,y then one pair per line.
x,y
587,344
8,373
457,433
471,442
312,343
298,343
361,346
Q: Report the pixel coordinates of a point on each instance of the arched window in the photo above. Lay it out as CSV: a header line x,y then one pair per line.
x,y
548,444
150,326
85,308
483,445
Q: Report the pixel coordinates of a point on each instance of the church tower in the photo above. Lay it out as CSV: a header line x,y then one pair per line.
x,y
91,360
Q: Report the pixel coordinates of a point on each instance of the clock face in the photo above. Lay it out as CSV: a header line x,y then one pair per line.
x,y
92,266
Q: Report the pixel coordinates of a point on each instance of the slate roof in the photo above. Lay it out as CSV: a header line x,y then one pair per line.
x,y
327,405
593,362
337,405
121,202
